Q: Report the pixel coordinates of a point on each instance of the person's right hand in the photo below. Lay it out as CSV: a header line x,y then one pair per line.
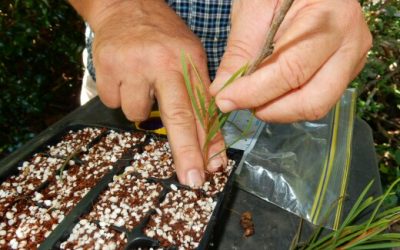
x,y
136,52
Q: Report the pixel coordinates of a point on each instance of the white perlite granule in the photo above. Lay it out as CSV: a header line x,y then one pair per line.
x,y
31,175
28,225
123,204
74,141
155,161
181,219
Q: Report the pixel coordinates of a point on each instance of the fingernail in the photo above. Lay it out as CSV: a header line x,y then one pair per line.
x,y
193,178
215,164
226,105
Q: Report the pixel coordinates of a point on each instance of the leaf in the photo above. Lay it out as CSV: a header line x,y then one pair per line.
x,y
235,75
213,130
240,72
397,157
189,89
355,209
385,237
223,118
360,237
387,245
319,229
200,94
387,193
212,108
243,134
297,236
368,235
60,170
202,103
394,210
210,117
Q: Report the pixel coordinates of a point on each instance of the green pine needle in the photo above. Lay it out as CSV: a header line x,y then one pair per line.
x,y
371,234
208,114
66,162
200,93
189,89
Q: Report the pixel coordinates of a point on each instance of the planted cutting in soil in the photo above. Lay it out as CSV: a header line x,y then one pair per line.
x,y
113,189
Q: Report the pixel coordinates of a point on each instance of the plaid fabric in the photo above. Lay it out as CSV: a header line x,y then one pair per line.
x,y
208,19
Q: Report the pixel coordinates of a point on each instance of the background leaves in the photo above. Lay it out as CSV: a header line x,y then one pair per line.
x,y
379,86
40,67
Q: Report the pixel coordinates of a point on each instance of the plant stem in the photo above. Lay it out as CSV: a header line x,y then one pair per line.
x,y
268,47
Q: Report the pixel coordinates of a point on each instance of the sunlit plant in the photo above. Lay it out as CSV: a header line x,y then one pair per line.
x,y
206,111
372,233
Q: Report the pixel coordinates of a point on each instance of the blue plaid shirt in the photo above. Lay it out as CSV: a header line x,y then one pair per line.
x,y
208,19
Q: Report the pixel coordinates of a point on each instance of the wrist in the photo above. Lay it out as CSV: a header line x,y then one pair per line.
x,y
96,12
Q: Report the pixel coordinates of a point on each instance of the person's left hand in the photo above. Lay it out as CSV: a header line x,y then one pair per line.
x,y
319,48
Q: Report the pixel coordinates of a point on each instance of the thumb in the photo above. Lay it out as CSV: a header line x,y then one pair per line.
x,y
249,26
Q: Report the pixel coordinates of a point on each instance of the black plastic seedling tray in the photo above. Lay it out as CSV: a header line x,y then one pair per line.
x,y
135,237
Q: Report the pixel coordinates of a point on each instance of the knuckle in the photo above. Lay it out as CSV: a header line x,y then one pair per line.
x,y
239,48
353,13
237,53
187,150
161,56
350,10
292,71
109,55
368,41
348,14
102,56
354,8
194,49
158,49
199,55
178,116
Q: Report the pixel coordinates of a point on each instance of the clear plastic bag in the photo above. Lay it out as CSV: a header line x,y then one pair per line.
x,y
300,167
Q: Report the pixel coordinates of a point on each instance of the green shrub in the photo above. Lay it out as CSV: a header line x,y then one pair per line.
x,y
40,67
379,85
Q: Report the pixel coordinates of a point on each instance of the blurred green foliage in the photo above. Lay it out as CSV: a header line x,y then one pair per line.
x,y
40,70
379,85
40,66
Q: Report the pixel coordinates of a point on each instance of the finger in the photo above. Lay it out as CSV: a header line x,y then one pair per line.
x,y
136,98
107,79
240,48
319,95
176,113
292,65
108,89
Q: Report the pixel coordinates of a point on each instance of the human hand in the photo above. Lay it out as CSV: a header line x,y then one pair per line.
x,y
136,53
319,48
